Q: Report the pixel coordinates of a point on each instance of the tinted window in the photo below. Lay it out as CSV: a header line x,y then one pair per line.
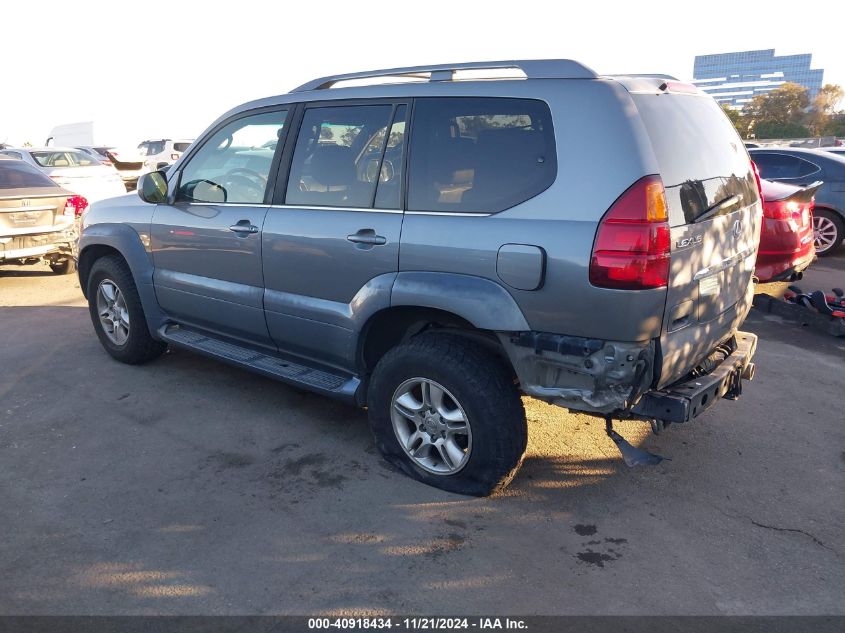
x,y
479,154
389,192
181,147
779,166
18,175
64,159
234,164
701,158
13,155
338,155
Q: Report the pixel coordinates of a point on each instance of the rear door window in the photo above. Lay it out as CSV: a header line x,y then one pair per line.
x,y
338,156
181,147
479,154
783,166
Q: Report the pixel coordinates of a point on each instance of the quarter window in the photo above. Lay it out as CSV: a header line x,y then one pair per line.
x,y
338,157
234,164
479,154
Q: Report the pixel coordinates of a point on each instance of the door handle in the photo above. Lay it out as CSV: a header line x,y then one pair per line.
x,y
244,226
367,236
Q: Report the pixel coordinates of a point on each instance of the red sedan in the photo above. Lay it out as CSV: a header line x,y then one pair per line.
x,y
786,238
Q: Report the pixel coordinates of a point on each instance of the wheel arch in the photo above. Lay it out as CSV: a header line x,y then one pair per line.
x,y
391,326
123,241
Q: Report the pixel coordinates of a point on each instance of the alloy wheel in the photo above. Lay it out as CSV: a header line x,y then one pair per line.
x,y
824,233
111,308
431,426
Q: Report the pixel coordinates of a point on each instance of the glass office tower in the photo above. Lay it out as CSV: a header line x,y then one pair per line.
x,y
735,78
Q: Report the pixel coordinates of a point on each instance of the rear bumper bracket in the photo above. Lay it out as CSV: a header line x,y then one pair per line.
x,y
684,401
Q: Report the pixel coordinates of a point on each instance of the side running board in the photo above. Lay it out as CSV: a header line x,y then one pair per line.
x,y
338,385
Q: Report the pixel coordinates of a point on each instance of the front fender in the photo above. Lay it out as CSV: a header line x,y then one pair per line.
x,y
482,302
102,239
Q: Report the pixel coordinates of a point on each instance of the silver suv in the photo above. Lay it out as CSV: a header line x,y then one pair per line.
x,y
433,249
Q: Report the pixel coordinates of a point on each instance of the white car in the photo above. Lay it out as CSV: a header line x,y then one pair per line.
x,y
162,151
73,170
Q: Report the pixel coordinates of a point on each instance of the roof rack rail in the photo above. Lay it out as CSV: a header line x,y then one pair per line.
x,y
644,76
533,69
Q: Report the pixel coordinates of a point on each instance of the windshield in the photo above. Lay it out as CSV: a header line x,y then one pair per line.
x,y
151,148
64,159
15,174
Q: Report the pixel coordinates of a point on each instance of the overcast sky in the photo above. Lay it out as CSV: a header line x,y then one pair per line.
x,y
168,69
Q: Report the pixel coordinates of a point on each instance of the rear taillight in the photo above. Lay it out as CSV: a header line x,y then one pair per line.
x,y
75,206
786,209
632,244
174,157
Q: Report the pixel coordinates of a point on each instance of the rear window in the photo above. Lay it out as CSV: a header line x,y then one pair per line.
x,y
151,148
64,159
479,154
19,175
181,147
701,157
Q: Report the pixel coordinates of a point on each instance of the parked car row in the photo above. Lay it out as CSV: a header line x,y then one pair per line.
x,y
73,169
39,220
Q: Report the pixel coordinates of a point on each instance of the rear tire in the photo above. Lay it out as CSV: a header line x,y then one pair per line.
x,y
64,267
117,314
468,386
829,229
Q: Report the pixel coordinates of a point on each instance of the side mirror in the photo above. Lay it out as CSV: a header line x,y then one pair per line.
x,y
152,187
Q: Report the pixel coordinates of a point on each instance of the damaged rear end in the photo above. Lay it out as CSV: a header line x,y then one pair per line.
x,y
688,234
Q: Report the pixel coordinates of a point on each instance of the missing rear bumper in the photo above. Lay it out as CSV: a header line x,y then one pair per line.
x,y
684,401
581,374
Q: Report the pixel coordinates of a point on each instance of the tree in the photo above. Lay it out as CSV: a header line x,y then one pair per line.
x,y
834,126
824,108
828,98
739,122
777,129
784,104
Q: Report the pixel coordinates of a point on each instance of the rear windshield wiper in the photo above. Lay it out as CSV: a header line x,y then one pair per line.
x,y
720,208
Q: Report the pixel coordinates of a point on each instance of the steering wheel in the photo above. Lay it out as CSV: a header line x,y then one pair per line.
x,y
251,181
258,180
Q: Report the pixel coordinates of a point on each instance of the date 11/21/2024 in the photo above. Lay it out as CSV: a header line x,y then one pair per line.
x,y
417,623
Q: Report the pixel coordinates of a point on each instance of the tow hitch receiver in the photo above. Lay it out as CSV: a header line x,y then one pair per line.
x,y
632,455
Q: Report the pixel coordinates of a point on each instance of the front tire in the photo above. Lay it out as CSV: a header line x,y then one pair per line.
x,y
445,410
829,230
117,314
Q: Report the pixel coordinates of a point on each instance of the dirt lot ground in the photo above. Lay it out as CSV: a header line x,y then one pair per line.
x,y
186,486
